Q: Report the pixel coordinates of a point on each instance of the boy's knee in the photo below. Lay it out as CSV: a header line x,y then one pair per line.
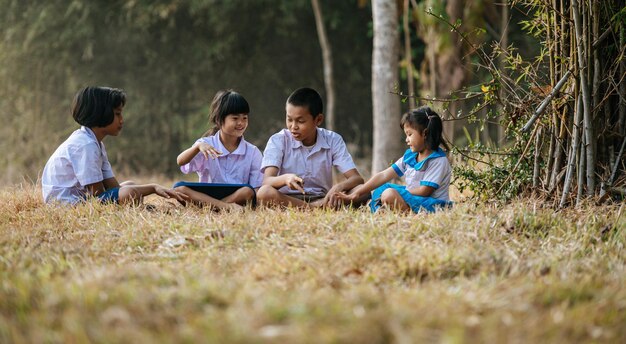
x,y
266,192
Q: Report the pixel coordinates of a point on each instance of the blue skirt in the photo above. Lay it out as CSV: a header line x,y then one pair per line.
x,y
416,203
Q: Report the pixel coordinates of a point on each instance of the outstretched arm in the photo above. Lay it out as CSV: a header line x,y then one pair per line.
x,y
377,180
135,193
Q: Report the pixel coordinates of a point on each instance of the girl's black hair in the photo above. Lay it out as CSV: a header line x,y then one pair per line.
x,y
424,118
93,105
225,102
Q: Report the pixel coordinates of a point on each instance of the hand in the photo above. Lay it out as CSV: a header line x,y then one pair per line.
x,y
294,182
170,193
333,198
208,151
352,196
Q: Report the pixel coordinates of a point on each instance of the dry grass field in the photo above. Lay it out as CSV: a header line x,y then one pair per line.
x,y
517,273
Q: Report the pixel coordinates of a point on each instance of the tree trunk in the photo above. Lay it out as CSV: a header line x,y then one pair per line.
x,y
386,106
327,59
408,56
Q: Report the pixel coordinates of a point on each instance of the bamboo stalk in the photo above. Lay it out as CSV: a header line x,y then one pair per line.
x,y
572,156
622,85
546,101
587,116
537,160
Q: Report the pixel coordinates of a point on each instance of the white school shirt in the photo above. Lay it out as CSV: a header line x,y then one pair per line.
x,y
79,161
241,166
314,166
434,171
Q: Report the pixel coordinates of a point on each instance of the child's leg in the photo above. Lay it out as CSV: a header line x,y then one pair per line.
x,y
202,199
391,197
242,196
268,195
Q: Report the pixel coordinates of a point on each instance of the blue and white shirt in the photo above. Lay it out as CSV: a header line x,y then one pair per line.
x,y
434,171
79,161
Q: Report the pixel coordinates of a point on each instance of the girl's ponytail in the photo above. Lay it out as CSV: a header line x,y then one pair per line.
x,y
434,130
424,118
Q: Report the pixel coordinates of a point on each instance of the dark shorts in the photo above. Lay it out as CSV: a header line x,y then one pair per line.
x,y
216,190
306,197
110,196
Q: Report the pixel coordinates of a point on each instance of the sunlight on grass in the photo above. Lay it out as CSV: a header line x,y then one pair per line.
x,y
516,272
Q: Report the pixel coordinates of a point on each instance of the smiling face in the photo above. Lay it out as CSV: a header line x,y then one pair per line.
x,y
415,139
301,124
115,127
235,124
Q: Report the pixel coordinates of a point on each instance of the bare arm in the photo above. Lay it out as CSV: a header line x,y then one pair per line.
x,y
133,193
377,180
422,190
271,178
353,178
95,189
110,183
199,147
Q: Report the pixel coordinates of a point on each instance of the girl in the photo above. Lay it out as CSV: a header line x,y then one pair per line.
x,y
424,164
227,165
80,168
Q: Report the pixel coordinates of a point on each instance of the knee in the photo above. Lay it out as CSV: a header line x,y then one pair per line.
x,y
247,193
389,196
266,192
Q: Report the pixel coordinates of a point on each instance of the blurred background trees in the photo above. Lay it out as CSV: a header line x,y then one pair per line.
x,y
171,57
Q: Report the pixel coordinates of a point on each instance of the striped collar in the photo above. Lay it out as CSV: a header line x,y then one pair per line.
x,y
410,158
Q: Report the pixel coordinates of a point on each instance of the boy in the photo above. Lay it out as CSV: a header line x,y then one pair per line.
x,y
80,168
298,161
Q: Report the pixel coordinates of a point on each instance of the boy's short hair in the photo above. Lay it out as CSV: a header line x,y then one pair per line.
x,y
93,106
308,97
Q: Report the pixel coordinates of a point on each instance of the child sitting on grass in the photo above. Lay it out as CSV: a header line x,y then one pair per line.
x,y
424,165
80,168
228,166
298,161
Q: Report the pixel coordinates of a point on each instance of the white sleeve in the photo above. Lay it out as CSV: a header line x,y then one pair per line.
x,y
341,157
274,152
436,171
87,163
256,177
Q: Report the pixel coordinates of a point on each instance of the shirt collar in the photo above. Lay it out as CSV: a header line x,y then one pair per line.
x,y
320,142
90,133
240,150
410,158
